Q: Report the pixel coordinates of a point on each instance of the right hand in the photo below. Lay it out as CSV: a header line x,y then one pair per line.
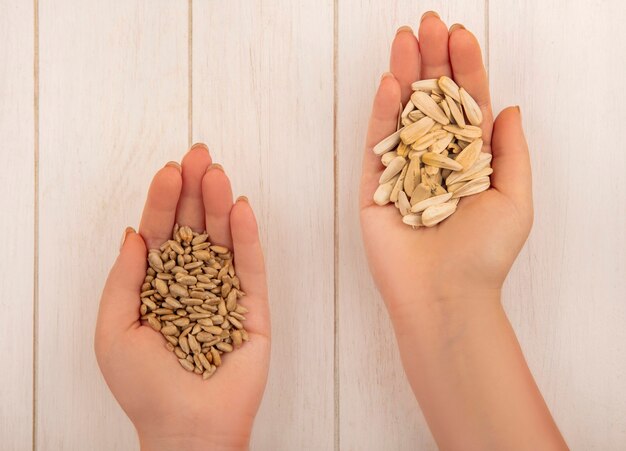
x,y
469,254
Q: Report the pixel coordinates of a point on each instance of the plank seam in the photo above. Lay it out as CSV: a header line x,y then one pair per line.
x,y
190,72
36,217
336,390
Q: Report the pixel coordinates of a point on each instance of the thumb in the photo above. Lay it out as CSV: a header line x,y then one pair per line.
x,y
119,305
511,162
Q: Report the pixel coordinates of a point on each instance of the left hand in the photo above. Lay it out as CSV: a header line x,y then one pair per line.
x,y
170,407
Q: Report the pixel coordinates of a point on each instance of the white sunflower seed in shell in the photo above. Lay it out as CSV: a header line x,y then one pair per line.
x,y
413,220
449,87
469,131
454,186
412,177
439,161
402,150
471,108
403,203
455,111
435,200
441,144
429,107
473,187
382,193
446,109
415,131
393,168
393,197
472,173
416,115
407,109
421,192
436,213
469,155
406,121
425,85
387,157
387,144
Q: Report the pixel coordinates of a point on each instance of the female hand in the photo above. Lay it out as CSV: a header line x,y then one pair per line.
x,y
441,285
170,407
472,251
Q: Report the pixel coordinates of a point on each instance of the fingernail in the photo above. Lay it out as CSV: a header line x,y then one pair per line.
x,y
215,166
126,232
243,199
455,26
519,110
404,28
198,146
174,164
429,14
386,75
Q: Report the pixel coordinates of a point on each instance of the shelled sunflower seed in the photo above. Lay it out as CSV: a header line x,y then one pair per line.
x,y
435,156
190,295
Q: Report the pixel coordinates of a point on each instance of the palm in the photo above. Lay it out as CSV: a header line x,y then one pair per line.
x,y
160,397
231,397
475,246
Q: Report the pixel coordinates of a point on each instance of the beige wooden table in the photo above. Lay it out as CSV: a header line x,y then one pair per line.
x,y
95,96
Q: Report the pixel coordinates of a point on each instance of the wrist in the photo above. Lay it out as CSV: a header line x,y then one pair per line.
x,y
441,309
193,443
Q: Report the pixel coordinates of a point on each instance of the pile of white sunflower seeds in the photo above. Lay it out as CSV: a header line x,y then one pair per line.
x,y
435,157
190,295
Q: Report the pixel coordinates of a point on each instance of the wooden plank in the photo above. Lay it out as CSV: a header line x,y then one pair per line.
x,y
563,63
377,408
263,101
17,222
114,108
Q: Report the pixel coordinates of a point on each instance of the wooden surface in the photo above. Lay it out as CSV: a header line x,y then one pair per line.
x,y
281,92
263,102
17,219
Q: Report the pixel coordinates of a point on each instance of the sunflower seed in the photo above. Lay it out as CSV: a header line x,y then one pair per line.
x,y
435,200
439,161
429,107
436,213
413,220
415,131
388,143
449,87
387,157
471,108
425,85
473,187
383,192
470,154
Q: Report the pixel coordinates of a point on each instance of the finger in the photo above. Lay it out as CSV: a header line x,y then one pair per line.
x,y
250,266
218,201
511,162
159,213
190,207
383,121
405,60
119,305
469,72
433,47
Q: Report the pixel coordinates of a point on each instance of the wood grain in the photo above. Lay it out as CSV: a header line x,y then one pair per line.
x,y
17,223
376,405
263,101
113,110
563,63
